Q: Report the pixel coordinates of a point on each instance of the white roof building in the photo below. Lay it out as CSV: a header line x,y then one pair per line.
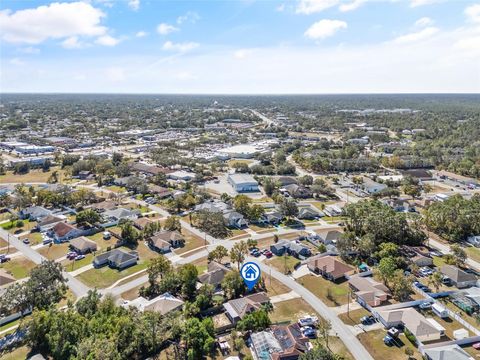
x,y
240,151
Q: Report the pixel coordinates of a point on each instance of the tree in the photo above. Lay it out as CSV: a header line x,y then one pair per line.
x,y
320,353
436,280
87,306
173,223
241,203
324,327
306,180
129,234
255,212
459,254
87,216
412,190
268,186
158,268
386,269
188,276
233,285
213,224
198,337
238,253
289,208
387,249
218,253
255,321
117,158
251,243
401,285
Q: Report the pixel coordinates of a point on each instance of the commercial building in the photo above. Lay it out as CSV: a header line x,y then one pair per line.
x,y
243,182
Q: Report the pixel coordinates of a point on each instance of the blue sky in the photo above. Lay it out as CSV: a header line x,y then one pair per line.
x,y
244,46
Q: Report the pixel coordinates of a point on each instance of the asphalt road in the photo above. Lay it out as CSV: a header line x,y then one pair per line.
x,y
77,287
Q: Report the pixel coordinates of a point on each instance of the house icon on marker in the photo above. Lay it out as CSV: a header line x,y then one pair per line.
x,y
250,273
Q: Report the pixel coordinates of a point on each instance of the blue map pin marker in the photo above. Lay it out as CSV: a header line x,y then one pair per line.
x,y
250,273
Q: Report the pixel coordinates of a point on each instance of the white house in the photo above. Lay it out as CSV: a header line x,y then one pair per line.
x,y
474,240
243,182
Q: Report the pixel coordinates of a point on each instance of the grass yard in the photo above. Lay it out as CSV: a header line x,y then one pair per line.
x,y
438,261
470,319
54,251
274,287
473,353
289,311
116,188
3,243
473,253
18,226
373,342
35,238
354,316
450,325
236,161
330,293
103,244
337,346
261,228
105,276
18,266
284,264
32,177
20,353
192,242
238,232
132,294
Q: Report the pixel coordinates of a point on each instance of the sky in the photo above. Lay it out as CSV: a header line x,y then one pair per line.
x,y
240,46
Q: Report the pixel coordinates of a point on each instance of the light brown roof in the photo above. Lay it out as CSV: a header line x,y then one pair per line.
x,y
164,304
142,222
331,265
62,229
83,244
105,205
49,219
412,319
167,235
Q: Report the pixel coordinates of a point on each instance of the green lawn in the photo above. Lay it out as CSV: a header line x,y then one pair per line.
x,y
18,266
438,261
34,237
104,277
353,317
289,311
115,188
18,226
284,264
473,253
330,293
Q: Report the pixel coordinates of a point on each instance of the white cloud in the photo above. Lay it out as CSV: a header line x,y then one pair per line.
x,y
72,43
324,28
165,29
17,62
107,40
308,7
473,13
280,8
115,74
423,22
29,50
140,34
353,5
417,36
190,16
54,21
242,53
179,47
186,75
134,4
416,3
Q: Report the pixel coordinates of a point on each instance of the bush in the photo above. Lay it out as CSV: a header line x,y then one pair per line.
x,y
19,224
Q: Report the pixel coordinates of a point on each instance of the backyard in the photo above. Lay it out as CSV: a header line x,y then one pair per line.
x,y
373,342
105,276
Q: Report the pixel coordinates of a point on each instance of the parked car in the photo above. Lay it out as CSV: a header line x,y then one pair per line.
x,y
393,332
308,321
4,259
71,255
425,305
367,320
79,257
47,241
310,333
26,241
268,254
106,235
255,252
388,340
476,346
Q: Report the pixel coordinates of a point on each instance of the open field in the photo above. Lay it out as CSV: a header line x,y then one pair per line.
x,y
19,267
54,251
34,238
373,342
285,264
289,311
274,287
34,176
192,241
105,276
332,294
353,318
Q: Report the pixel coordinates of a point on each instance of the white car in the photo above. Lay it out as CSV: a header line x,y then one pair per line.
x,y
308,321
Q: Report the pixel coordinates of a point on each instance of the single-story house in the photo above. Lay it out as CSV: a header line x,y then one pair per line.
x,y
116,259
161,241
236,309
291,247
369,291
6,278
421,260
243,182
416,323
146,169
234,219
104,206
460,278
329,267
181,175
83,245
212,206
33,213
273,217
332,210
115,215
280,342
63,231
162,304
298,191
399,205
142,222
49,221
215,274
371,186
159,191
447,352
329,236
307,213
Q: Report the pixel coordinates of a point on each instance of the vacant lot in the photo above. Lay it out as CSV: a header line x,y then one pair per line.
x,y
71,265
19,267
473,253
54,251
192,242
20,353
289,311
34,176
274,287
332,294
353,317
285,264
18,226
34,238
105,276
373,342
